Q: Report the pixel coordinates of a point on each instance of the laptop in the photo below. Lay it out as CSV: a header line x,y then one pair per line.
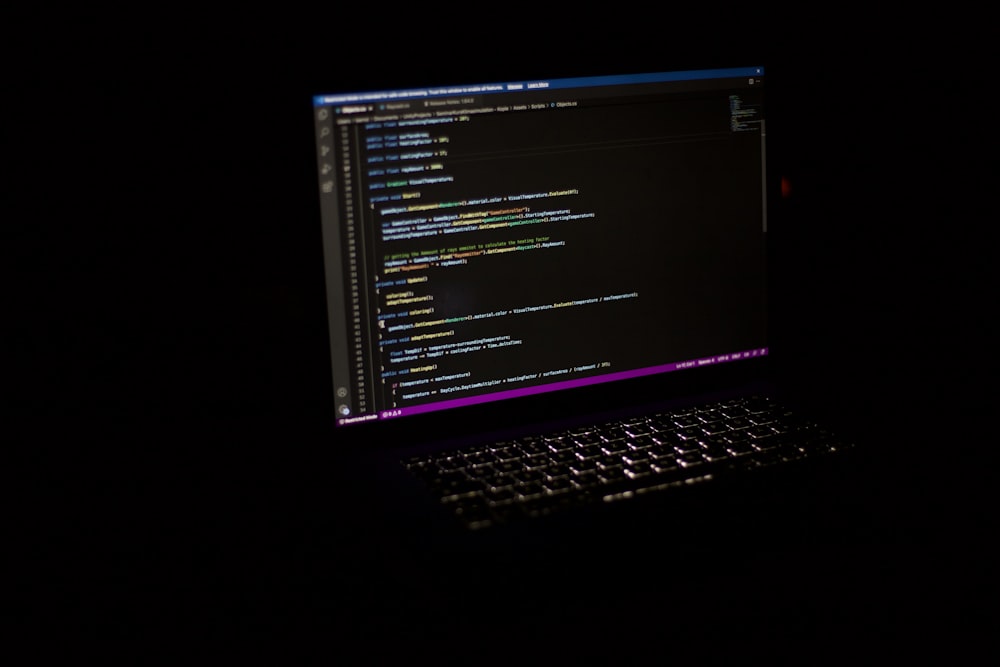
x,y
549,300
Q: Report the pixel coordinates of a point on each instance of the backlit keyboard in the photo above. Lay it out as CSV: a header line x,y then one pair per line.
x,y
608,462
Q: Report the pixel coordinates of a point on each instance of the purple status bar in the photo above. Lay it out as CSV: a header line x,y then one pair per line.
x,y
555,386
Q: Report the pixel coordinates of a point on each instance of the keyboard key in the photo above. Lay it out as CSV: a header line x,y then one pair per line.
x,y
641,442
533,446
582,466
529,489
690,459
716,428
664,465
525,476
507,453
637,470
613,433
612,474
615,447
558,470
500,496
586,479
559,485
509,465
589,439
563,457
636,430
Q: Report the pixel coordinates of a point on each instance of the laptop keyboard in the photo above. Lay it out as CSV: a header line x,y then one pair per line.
x,y
537,475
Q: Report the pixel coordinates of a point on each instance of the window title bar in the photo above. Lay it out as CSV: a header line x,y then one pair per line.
x,y
550,84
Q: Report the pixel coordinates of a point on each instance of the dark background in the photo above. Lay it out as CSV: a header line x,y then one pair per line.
x,y
168,390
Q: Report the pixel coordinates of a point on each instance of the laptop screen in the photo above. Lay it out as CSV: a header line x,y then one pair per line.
x,y
491,241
